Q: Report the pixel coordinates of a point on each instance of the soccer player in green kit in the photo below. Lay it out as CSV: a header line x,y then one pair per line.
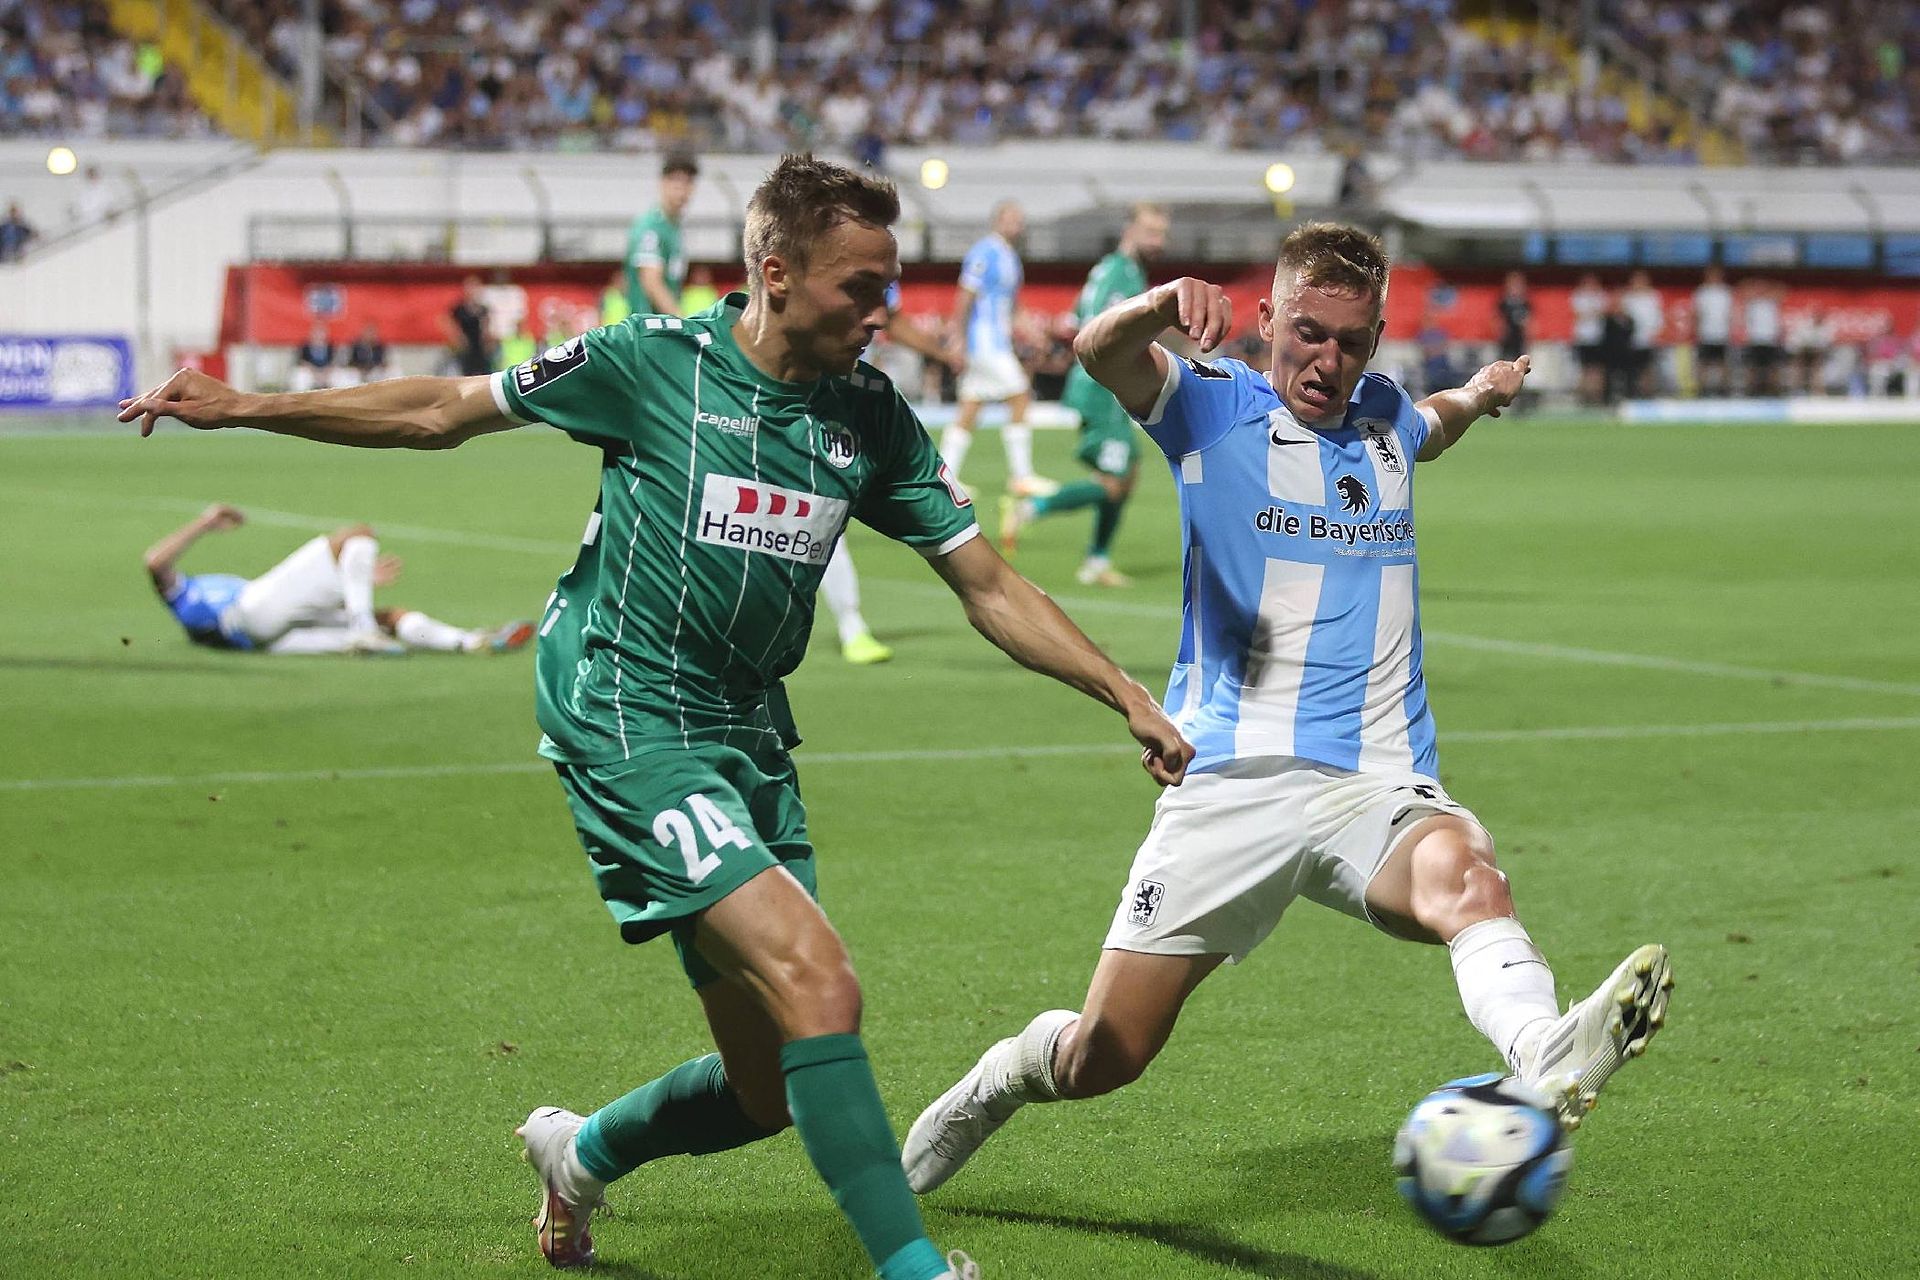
x,y
1108,438
734,446
656,268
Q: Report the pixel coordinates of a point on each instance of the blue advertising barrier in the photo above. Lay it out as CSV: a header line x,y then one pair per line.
x,y
64,371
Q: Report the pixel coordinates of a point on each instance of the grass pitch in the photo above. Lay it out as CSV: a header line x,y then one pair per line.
x,y
287,947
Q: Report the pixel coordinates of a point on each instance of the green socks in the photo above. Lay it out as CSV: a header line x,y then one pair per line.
x,y
836,1107
1106,522
691,1111
1080,493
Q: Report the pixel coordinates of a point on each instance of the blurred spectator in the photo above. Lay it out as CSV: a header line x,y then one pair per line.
x,y
64,71
1712,332
1619,356
1649,312
469,331
1760,316
93,202
1810,342
15,232
1437,372
313,362
366,358
1515,311
1589,303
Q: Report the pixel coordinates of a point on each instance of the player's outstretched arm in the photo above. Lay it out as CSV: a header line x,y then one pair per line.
x,y
1487,392
1030,628
1119,347
164,555
403,413
906,331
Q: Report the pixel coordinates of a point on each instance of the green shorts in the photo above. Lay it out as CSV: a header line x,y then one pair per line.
x,y
1109,442
675,829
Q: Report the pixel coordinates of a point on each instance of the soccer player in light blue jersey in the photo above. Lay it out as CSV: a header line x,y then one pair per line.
x,y
982,350
317,600
1299,681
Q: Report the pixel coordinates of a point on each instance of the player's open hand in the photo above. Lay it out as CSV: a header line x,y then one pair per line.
x,y
200,401
1499,383
1165,754
1200,310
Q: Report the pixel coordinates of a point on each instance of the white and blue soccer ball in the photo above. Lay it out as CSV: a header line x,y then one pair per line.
x,y
1483,1160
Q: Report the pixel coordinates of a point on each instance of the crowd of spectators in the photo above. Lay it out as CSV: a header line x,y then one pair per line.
x,y
65,72
863,74
1805,81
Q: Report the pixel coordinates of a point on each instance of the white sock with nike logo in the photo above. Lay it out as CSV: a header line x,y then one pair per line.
x,y
1504,982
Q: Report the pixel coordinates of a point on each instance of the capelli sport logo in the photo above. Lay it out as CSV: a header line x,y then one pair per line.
x,y
1354,498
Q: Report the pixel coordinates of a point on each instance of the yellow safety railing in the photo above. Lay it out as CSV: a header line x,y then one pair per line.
x,y
226,77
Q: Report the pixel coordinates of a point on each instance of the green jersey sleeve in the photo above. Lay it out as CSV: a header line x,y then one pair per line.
x,y
585,386
912,497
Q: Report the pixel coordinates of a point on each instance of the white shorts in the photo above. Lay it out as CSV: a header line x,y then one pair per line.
x,y
993,377
301,591
1230,850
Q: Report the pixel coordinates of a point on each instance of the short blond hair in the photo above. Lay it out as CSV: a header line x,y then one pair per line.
x,y
1331,255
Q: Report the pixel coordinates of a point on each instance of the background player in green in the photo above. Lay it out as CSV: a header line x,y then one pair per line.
x,y
1108,438
734,446
656,267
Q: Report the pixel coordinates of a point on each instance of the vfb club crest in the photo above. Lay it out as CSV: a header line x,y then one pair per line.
x,y
841,448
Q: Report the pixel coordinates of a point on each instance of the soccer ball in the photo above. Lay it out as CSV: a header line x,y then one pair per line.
x,y
1483,1160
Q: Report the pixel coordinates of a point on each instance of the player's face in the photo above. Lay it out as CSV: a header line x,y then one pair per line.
x,y
675,190
1150,236
1010,223
838,301
1322,341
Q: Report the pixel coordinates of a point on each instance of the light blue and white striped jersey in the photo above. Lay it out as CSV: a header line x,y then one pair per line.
x,y
1301,634
992,271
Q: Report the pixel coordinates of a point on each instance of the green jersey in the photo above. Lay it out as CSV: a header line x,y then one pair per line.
x,y
1114,278
722,494
654,241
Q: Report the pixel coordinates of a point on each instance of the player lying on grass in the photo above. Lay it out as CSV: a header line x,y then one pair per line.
x,y
1299,680
317,600
734,446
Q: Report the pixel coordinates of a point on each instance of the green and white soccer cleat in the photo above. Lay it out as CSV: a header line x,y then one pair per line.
x,y
564,1221
961,1267
954,1126
1572,1057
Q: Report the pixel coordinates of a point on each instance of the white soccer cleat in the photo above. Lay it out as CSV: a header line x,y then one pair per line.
x,y
1032,486
374,643
1015,515
953,1127
1097,571
562,1224
1572,1058
961,1267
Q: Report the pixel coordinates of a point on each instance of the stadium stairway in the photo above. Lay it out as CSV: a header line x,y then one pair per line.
x,y
1645,104
227,78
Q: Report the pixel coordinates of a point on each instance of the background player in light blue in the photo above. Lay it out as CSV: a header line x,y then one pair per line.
x,y
981,348
1299,683
317,600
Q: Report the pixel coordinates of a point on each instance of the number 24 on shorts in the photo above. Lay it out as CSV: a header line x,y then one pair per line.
x,y
674,829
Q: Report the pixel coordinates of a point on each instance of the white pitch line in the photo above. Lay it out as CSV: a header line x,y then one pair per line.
x,y
1082,604
918,755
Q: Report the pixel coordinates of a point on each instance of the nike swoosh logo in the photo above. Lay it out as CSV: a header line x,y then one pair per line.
x,y
1509,964
1277,440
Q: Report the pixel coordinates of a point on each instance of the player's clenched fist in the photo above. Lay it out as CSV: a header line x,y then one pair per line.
x,y
189,395
1196,308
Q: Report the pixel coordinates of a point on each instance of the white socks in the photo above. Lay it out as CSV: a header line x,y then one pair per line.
x,y
356,581
1018,437
576,1185
841,587
418,631
954,443
1504,981
1023,1071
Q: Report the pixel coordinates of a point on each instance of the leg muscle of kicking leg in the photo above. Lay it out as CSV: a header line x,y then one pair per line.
x,y
1440,884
